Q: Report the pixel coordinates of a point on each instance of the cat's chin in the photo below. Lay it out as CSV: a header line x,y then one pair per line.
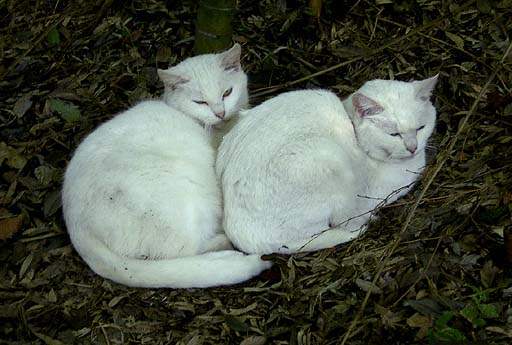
x,y
389,157
221,124
213,124
408,157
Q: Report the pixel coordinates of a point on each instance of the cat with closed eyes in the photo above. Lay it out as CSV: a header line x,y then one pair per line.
x,y
141,201
305,170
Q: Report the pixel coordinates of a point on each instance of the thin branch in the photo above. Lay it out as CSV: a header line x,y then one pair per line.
x,y
272,89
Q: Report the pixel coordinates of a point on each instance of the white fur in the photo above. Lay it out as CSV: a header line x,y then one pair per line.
x,y
200,78
304,170
140,197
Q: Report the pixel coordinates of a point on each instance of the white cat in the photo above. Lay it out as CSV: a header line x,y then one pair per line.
x,y
140,197
304,171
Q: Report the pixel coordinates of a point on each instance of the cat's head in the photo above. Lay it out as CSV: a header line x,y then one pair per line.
x,y
210,88
393,119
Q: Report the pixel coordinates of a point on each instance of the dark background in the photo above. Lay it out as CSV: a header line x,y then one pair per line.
x,y
437,256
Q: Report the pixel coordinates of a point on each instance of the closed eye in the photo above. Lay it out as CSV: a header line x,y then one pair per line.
x,y
227,92
395,134
420,128
200,102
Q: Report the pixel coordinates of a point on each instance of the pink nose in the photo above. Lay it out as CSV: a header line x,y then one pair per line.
x,y
220,115
412,149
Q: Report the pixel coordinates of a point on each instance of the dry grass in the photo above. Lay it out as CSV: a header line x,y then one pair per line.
x,y
432,269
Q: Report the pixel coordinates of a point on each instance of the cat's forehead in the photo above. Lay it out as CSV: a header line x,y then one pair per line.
x,y
200,68
389,91
205,74
209,87
403,109
404,115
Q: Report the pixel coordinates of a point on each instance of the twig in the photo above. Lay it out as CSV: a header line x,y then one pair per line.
x,y
43,35
272,89
105,335
429,263
105,5
443,158
269,90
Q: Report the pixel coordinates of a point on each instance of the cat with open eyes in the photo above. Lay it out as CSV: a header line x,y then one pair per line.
x,y
304,170
141,201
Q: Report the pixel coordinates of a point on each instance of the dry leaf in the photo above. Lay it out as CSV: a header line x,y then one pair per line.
x,y
254,340
9,226
366,286
22,105
424,323
12,156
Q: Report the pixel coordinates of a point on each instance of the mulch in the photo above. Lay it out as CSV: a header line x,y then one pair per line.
x,y
432,269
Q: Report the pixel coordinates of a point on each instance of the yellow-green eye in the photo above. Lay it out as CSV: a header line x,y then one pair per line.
x,y
227,92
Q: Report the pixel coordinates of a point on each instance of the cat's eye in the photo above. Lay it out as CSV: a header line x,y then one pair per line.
x,y
200,102
395,134
227,92
420,128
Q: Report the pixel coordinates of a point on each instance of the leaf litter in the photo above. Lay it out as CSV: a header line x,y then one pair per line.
x,y
431,270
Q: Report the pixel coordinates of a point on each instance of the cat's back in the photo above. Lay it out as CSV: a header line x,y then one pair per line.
x,y
144,140
291,120
296,109
149,123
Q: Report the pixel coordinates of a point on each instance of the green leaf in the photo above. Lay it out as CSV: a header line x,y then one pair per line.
x,y
478,322
484,6
459,42
470,312
53,37
236,324
450,334
488,311
52,203
68,111
444,318
45,174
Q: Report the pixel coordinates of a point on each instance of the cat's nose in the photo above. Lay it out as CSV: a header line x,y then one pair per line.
x,y
412,148
220,114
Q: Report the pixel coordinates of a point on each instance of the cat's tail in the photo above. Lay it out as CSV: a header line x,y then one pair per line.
x,y
199,271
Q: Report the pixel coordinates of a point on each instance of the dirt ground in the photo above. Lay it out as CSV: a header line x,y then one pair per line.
x,y
436,259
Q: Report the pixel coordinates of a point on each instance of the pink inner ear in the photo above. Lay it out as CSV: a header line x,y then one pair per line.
x,y
233,67
231,59
425,87
365,106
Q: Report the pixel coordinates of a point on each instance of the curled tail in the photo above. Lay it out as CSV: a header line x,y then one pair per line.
x,y
200,271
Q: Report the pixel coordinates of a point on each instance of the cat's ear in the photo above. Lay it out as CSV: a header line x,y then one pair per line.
x,y
170,79
365,106
231,59
424,88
